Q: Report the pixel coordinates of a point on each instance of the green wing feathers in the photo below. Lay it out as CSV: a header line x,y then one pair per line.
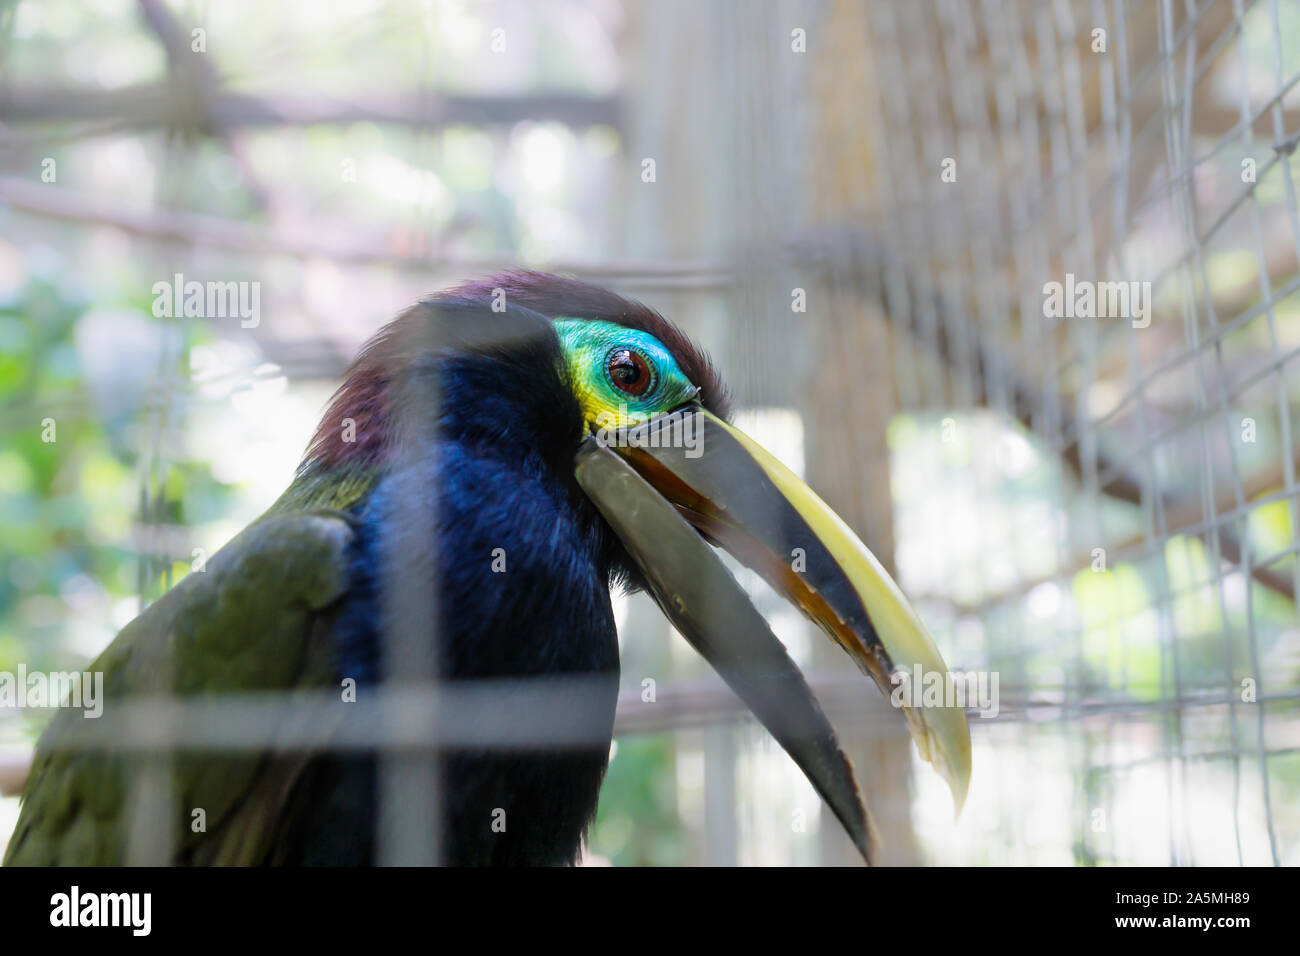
x,y
254,620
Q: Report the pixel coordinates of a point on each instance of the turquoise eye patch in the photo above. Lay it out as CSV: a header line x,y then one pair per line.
x,y
622,377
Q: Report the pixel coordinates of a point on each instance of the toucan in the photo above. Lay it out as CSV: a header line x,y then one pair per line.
x,y
416,641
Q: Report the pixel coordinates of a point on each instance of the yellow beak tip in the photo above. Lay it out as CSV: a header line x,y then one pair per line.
x,y
942,737
955,768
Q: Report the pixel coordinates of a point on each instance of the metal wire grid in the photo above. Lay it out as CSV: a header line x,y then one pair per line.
x,y
933,277
1036,218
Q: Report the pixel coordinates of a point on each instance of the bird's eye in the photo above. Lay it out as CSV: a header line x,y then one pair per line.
x,y
629,372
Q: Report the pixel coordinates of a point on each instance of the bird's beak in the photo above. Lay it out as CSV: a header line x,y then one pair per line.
x,y
691,465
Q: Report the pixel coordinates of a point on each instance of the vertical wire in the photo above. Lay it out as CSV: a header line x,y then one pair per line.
x,y
1157,532
1186,175
408,788
1081,239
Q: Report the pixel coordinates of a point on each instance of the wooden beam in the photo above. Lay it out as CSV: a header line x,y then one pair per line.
x,y
161,105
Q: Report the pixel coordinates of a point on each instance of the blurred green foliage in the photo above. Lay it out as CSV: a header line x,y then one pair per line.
x,y
74,559
637,821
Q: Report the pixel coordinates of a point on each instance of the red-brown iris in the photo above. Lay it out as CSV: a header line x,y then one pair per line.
x,y
629,372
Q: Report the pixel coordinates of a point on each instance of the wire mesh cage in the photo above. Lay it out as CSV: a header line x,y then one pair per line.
x,y
1130,612
1010,283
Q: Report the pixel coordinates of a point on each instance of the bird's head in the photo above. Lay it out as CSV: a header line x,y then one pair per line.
x,y
618,399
